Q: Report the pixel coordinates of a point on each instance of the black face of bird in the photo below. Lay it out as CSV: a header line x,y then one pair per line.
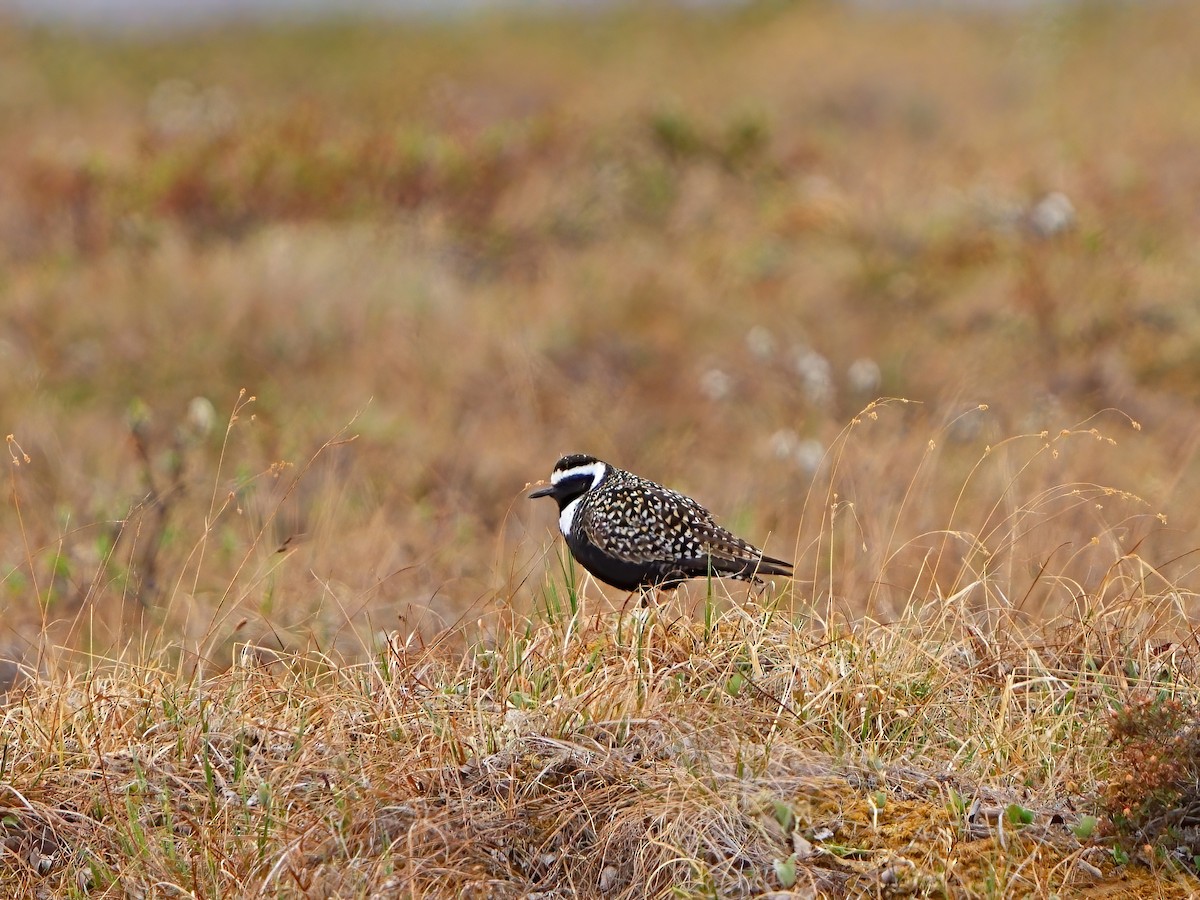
x,y
572,476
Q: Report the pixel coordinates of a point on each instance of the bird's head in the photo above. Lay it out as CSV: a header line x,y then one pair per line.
x,y
573,476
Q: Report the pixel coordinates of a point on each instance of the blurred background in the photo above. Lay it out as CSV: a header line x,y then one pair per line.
x,y
293,306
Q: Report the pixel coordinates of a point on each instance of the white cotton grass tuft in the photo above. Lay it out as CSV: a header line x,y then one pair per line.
x,y
808,456
760,343
864,376
1052,215
784,443
815,373
201,415
804,453
716,384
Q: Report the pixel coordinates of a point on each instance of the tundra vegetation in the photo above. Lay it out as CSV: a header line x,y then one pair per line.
x,y
291,315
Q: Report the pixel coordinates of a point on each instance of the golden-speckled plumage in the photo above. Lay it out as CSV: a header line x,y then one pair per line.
x,y
631,532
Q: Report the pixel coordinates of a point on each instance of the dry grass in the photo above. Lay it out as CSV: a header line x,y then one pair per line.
x,y
590,753
290,317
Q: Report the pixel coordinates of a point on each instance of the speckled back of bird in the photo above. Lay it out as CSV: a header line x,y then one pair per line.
x,y
629,531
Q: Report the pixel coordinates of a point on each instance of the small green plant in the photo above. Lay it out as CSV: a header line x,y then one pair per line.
x,y
675,133
785,871
734,684
1018,815
784,815
746,137
956,803
1085,827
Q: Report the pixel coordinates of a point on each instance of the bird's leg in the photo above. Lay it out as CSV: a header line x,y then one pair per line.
x,y
628,597
650,598
647,600
760,588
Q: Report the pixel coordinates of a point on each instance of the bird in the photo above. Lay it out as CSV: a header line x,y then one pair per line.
x,y
633,533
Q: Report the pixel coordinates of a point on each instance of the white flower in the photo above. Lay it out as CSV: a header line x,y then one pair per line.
x,y
808,456
201,415
1052,215
816,373
784,443
864,376
760,343
715,384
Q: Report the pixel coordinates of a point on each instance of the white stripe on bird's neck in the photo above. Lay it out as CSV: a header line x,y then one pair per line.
x,y
567,516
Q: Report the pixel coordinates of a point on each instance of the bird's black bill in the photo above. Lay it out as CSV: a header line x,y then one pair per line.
x,y
547,491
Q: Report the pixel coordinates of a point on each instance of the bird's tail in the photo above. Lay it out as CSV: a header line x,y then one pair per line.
x,y
769,565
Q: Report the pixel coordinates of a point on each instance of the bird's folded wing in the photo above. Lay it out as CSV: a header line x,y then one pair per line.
x,y
684,534
663,530
728,551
